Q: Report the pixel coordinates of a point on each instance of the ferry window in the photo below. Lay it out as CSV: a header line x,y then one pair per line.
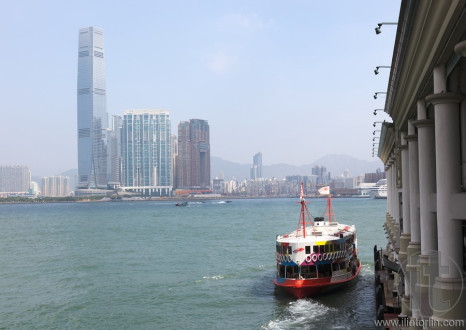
x,y
282,271
308,249
289,250
334,267
313,271
315,249
342,265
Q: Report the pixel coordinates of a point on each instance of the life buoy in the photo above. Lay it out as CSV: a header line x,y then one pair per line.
x,y
333,255
289,259
325,256
308,259
319,257
314,257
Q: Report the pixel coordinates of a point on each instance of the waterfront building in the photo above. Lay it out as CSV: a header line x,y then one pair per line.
x,y
147,152
256,169
114,160
34,188
193,161
374,177
15,179
424,153
218,186
91,110
55,186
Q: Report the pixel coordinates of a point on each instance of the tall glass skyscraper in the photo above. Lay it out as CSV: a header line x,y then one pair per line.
x,y
92,110
256,169
147,152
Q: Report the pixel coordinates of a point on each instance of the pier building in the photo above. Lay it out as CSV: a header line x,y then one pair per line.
x,y
424,153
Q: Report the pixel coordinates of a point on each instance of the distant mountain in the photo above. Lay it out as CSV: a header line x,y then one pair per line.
x,y
335,164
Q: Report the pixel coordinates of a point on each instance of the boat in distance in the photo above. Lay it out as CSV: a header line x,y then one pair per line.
x,y
318,256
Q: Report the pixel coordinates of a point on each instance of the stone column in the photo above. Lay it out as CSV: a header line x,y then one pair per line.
x,y
414,246
460,49
448,297
406,227
428,269
389,222
396,206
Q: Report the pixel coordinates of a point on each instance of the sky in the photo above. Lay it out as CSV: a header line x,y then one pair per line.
x,y
291,79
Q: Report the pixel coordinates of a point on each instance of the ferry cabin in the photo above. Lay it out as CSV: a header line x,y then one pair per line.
x,y
299,258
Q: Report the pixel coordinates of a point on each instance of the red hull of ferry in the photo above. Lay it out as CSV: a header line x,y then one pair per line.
x,y
308,288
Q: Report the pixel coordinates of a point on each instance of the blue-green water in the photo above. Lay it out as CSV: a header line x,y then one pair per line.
x,y
151,265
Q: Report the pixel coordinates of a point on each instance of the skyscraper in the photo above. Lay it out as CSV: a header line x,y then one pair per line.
x,y
146,152
256,169
193,163
114,161
92,111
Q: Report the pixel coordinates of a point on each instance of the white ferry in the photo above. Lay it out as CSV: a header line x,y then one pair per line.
x,y
320,255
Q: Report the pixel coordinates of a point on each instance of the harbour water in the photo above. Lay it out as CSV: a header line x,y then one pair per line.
x,y
152,265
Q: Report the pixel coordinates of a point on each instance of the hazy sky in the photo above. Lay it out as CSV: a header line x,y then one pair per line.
x,y
291,79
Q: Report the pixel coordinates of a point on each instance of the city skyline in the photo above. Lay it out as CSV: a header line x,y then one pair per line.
x,y
251,69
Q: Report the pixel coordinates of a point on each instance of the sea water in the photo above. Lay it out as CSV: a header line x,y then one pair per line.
x,y
152,265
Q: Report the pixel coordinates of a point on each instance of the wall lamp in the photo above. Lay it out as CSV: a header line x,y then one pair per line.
x,y
373,133
376,71
378,122
375,137
377,29
375,95
375,111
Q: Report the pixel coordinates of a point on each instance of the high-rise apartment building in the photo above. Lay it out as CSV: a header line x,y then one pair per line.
x,y
92,110
146,152
321,173
55,186
15,179
193,162
256,169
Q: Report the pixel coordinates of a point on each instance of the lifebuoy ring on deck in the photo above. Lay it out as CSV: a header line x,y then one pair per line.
x,y
308,259
319,257
314,257
325,256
